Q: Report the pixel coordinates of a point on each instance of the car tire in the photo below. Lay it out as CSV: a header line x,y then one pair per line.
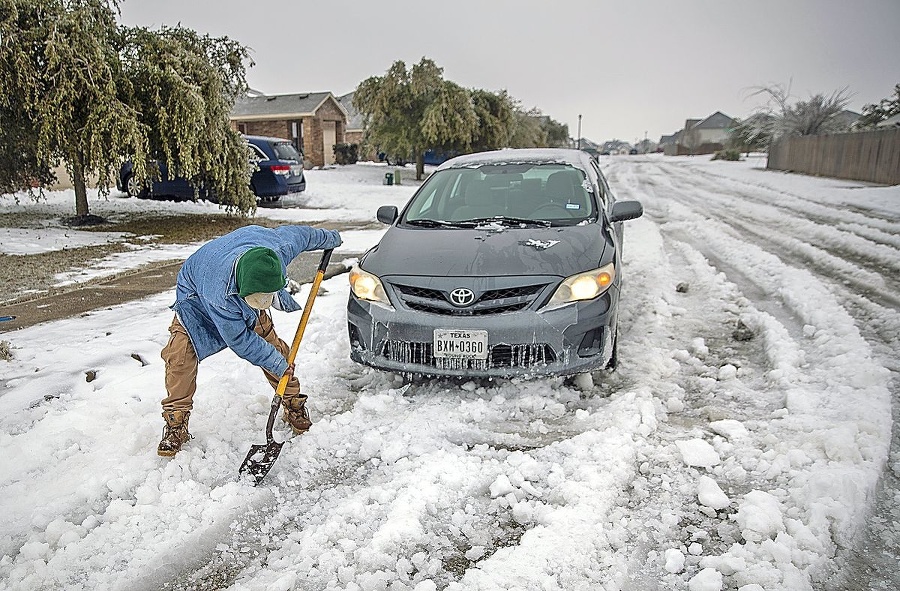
x,y
613,362
134,189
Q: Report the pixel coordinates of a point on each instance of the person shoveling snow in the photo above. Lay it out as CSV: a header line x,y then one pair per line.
x,y
222,296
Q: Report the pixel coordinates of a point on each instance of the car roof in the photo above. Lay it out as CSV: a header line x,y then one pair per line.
x,y
571,157
265,138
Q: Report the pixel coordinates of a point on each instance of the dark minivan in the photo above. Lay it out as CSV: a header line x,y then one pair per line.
x,y
278,171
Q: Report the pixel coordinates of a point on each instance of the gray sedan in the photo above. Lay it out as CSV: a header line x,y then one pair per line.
x,y
503,263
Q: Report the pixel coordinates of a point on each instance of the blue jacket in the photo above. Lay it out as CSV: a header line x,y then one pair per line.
x,y
206,294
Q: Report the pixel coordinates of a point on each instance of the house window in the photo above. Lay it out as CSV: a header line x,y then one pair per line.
x,y
242,128
297,135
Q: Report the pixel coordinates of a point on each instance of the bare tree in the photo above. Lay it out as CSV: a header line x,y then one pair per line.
x,y
784,115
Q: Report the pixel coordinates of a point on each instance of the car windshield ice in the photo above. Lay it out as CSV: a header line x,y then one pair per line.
x,y
286,151
511,193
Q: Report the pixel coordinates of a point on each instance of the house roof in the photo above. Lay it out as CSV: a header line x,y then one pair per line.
x,y
610,145
717,120
847,117
281,106
588,145
893,121
355,120
689,124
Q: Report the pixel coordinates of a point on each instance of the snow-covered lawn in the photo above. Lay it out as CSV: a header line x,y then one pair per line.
x,y
738,446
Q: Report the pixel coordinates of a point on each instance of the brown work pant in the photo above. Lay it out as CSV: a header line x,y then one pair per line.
x,y
181,364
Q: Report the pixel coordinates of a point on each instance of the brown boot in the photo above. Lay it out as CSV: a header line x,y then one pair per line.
x,y
175,433
296,415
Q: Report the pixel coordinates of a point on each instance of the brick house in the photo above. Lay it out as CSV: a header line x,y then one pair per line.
x,y
356,129
314,121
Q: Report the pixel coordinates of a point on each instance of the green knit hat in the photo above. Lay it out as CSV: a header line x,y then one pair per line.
x,y
259,271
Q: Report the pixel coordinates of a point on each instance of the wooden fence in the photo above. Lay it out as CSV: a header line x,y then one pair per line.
x,y
872,156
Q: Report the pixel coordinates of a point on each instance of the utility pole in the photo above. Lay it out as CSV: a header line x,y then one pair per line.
x,y
579,132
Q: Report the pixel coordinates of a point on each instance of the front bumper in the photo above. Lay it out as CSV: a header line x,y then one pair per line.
x,y
573,339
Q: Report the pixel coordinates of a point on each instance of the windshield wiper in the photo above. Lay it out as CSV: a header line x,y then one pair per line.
x,y
511,221
429,223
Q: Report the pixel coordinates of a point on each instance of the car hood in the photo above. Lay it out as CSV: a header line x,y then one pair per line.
x,y
453,252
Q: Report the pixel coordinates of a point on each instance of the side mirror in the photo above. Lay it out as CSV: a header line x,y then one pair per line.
x,y
626,210
387,214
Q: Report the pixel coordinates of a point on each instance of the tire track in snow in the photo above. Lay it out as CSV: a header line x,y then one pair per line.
x,y
838,252
700,237
796,205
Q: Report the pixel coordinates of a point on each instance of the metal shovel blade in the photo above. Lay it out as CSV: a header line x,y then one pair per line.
x,y
260,460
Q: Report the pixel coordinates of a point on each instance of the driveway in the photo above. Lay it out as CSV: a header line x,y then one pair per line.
x,y
139,283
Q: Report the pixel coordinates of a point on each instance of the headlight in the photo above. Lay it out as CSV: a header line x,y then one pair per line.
x,y
366,286
583,286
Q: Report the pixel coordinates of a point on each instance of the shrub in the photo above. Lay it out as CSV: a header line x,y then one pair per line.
x,y
346,153
729,154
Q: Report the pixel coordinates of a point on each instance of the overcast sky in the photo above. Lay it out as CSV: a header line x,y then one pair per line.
x,y
628,67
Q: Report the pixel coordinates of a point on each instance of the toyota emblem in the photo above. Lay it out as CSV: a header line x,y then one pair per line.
x,y
462,296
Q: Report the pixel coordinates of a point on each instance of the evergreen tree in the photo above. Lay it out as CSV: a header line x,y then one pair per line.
x,y
875,114
409,111
449,121
557,133
528,131
496,120
183,86
59,83
752,133
83,91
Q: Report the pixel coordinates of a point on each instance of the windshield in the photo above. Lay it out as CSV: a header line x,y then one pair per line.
x,y
515,193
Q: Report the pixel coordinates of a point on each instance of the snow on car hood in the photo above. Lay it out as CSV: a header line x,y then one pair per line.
x,y
493,251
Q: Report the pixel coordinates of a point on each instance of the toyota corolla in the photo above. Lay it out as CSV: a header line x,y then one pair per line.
x,y
503,263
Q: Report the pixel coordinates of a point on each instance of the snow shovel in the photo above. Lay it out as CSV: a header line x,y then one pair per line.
x,y
261,458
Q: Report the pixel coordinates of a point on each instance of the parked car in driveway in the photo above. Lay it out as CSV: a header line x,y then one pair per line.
x,y
278,171
502,263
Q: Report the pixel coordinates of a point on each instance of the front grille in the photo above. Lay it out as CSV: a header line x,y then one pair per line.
x,y
466,311
494,301
513,356
512,292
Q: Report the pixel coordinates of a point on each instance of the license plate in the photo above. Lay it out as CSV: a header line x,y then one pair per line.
x,y
295,170
460,344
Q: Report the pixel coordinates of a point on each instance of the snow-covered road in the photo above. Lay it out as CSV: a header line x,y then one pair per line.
x,y
740,444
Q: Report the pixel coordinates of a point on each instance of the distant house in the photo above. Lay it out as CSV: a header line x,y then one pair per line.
x,y
314,121
669,140
645,146
714,129
702,136
356,129
613,147
588,146
846,120
356,125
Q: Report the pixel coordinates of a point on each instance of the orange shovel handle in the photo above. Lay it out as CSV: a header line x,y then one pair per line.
x,y
301,328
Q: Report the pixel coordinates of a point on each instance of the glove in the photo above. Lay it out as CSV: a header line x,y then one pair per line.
x,y
336,239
